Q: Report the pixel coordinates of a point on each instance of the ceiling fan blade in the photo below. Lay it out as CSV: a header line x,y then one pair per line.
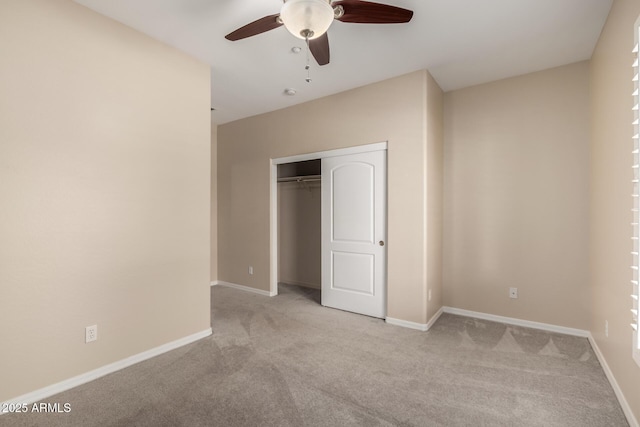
x,y
320,49
256,27
364,12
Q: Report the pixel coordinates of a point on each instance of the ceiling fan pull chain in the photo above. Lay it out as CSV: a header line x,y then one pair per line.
x,y
307,67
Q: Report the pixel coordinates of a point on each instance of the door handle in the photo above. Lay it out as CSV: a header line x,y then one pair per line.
x,y
381,242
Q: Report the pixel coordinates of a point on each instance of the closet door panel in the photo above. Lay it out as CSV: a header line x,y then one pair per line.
x,y
354,233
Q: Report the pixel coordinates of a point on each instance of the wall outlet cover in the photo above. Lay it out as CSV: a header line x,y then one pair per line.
x,y
90,333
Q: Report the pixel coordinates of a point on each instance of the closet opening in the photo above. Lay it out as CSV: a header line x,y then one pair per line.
x,y
299,225
328,227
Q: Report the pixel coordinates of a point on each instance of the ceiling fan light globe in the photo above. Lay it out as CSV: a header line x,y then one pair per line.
x,y
302,16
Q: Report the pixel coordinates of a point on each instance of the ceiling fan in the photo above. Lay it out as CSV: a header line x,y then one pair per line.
x,y
310,19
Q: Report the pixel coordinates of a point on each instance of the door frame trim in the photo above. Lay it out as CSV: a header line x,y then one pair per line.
x,y
273,196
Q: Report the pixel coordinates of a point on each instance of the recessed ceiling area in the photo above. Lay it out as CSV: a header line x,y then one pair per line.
x,y
461,42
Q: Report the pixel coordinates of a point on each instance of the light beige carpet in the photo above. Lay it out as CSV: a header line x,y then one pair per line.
x,y
287,361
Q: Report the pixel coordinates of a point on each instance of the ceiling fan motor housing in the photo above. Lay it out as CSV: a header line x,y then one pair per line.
x,y
307,19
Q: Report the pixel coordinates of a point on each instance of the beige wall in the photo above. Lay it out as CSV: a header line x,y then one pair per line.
x,y
517,197
611,160
299,233
214,203
434,208
393,111
104,183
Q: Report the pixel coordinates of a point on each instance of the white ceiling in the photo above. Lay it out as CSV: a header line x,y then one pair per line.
x,y
461,42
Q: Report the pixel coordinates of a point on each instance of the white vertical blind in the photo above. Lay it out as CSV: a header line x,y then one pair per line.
x,y
635,237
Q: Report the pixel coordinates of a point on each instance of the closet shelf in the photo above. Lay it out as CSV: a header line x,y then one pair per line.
x,y
305,178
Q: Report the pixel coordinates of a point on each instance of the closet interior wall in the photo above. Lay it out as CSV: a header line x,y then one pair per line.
x,y
299,224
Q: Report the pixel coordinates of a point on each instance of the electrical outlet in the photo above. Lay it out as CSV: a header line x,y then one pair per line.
x,y
606,328
250,270
90,333
513,293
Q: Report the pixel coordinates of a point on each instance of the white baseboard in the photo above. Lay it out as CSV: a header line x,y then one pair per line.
x,y
407,324
243,288
435,318
631,419
70,383
301,284
413,325
518,322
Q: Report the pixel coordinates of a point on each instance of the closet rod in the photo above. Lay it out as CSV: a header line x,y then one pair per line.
x,y
305,178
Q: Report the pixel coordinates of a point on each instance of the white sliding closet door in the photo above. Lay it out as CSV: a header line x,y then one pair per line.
x,y
354,233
